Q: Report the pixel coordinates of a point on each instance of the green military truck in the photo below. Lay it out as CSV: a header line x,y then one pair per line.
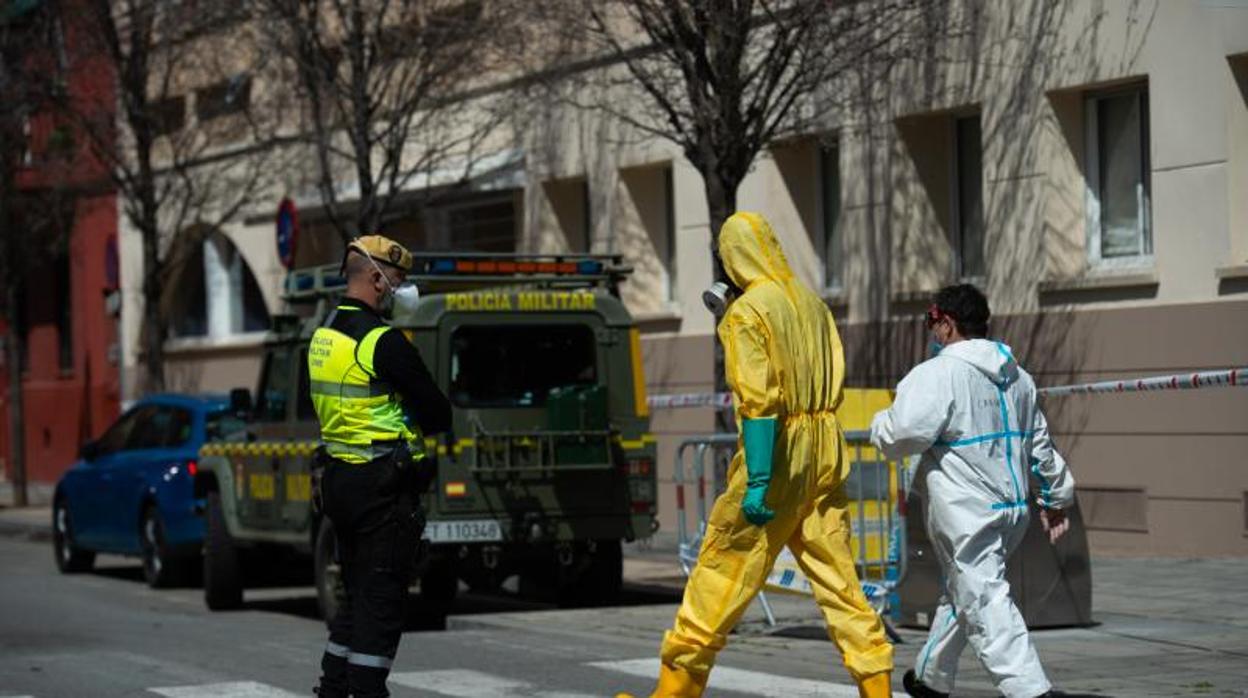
x,y
548,468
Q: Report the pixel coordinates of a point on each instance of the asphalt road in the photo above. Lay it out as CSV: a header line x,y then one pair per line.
x,y
1166,628
106,634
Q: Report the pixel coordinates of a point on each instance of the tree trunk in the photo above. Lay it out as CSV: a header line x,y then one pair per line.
x,y
721,201
153,319
17,427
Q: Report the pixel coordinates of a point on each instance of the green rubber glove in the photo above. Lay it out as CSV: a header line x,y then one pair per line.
x,y
760,441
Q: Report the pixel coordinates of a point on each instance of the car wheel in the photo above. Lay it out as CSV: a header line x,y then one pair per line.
x,y
327,571
161,569
223,587
70,559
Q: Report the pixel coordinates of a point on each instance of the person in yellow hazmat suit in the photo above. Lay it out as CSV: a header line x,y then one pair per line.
x,y
785,365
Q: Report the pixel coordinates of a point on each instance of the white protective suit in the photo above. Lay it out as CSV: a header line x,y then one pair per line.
x,y
971,412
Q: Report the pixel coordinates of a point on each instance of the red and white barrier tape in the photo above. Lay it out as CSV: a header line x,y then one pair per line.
x,y
1233,377
678,400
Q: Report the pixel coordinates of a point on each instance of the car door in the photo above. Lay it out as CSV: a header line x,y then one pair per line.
x,y
121,476
152,450
88,508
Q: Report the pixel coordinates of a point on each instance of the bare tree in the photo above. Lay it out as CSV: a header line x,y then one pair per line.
x,y
724,79
391,93
176,173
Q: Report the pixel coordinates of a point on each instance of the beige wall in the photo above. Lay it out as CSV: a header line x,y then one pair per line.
x,y
1026,70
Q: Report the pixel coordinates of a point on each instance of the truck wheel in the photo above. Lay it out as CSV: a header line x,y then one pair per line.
x,y
160,568
595,578
70,559
327,573
439,585
223,586
602,581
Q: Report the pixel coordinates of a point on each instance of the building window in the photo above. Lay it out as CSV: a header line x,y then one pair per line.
x,y
217,295
1118,182
830,210
224,98
168,115
968,198
484,226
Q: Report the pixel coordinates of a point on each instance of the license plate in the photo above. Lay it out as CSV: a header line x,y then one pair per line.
x,y
487,531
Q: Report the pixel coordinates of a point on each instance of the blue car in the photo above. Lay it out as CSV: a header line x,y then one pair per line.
x,y
131,492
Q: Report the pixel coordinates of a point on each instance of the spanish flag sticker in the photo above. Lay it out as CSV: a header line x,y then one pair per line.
x,y
456,489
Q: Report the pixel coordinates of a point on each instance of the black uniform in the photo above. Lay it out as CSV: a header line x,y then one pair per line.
x,y
376,514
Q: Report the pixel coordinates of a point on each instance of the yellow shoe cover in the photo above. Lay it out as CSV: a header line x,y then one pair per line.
x,y
675,682
876,685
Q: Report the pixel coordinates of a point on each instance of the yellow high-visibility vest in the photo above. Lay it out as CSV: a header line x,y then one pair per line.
x,y
361,418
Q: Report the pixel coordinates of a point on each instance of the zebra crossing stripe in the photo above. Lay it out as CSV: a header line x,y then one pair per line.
x,y
466,683
755,683
232,689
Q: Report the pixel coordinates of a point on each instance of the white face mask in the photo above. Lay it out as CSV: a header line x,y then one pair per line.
x,y
402,299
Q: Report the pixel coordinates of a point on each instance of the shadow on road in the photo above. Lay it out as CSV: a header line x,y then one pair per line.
x,y
422,617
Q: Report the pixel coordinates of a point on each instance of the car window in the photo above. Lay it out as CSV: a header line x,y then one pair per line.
x,y
151,425
115,438
274,392
174,426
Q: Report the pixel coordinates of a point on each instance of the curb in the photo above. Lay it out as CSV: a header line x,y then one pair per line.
x,y
41,533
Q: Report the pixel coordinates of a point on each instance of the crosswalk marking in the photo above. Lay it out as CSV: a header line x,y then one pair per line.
x,y
466,683
754,683
232,689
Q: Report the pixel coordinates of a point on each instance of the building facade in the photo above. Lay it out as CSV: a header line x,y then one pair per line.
x,y
66,324
1085,163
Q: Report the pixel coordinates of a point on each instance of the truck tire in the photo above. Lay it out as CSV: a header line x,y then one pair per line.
x,y
595,579
604,578
223,584
439,585
327,572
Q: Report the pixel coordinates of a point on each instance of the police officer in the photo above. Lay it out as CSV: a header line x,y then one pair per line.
x,y
375,400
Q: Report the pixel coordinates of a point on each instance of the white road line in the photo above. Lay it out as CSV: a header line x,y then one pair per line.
x,y
234,689
754,683
466,683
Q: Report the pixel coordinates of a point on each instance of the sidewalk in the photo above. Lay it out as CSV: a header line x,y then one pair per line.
x,y
33,523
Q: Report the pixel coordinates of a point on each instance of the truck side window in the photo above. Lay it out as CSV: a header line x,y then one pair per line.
x,y
273,395
303,408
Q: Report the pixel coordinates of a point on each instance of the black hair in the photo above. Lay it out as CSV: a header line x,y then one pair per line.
x,y
966,306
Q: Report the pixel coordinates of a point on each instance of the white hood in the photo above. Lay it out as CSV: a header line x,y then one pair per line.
x,y
994,359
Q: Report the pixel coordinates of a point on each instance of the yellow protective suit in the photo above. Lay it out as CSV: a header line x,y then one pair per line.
x,y
783,360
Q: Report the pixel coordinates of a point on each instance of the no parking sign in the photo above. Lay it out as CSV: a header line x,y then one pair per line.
x,y
287,232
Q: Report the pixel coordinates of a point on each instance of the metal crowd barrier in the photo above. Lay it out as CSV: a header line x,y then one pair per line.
x,y
876,488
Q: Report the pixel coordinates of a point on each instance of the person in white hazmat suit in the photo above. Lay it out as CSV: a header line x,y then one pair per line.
x,y
971,412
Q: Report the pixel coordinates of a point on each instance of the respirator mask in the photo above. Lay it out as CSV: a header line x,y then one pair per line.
x,y
401,300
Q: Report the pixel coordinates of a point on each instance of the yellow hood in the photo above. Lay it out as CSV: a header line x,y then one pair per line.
x,y
750,251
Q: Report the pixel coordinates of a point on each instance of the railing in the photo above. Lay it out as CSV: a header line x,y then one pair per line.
x,y
876,489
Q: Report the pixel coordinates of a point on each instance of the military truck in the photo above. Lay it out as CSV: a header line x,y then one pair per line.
x,y
549,465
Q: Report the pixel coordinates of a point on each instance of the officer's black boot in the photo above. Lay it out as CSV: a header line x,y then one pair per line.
x,y
333,677
368,682
918,689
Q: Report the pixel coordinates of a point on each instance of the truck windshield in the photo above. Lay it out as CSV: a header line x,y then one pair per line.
x,y
518,365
